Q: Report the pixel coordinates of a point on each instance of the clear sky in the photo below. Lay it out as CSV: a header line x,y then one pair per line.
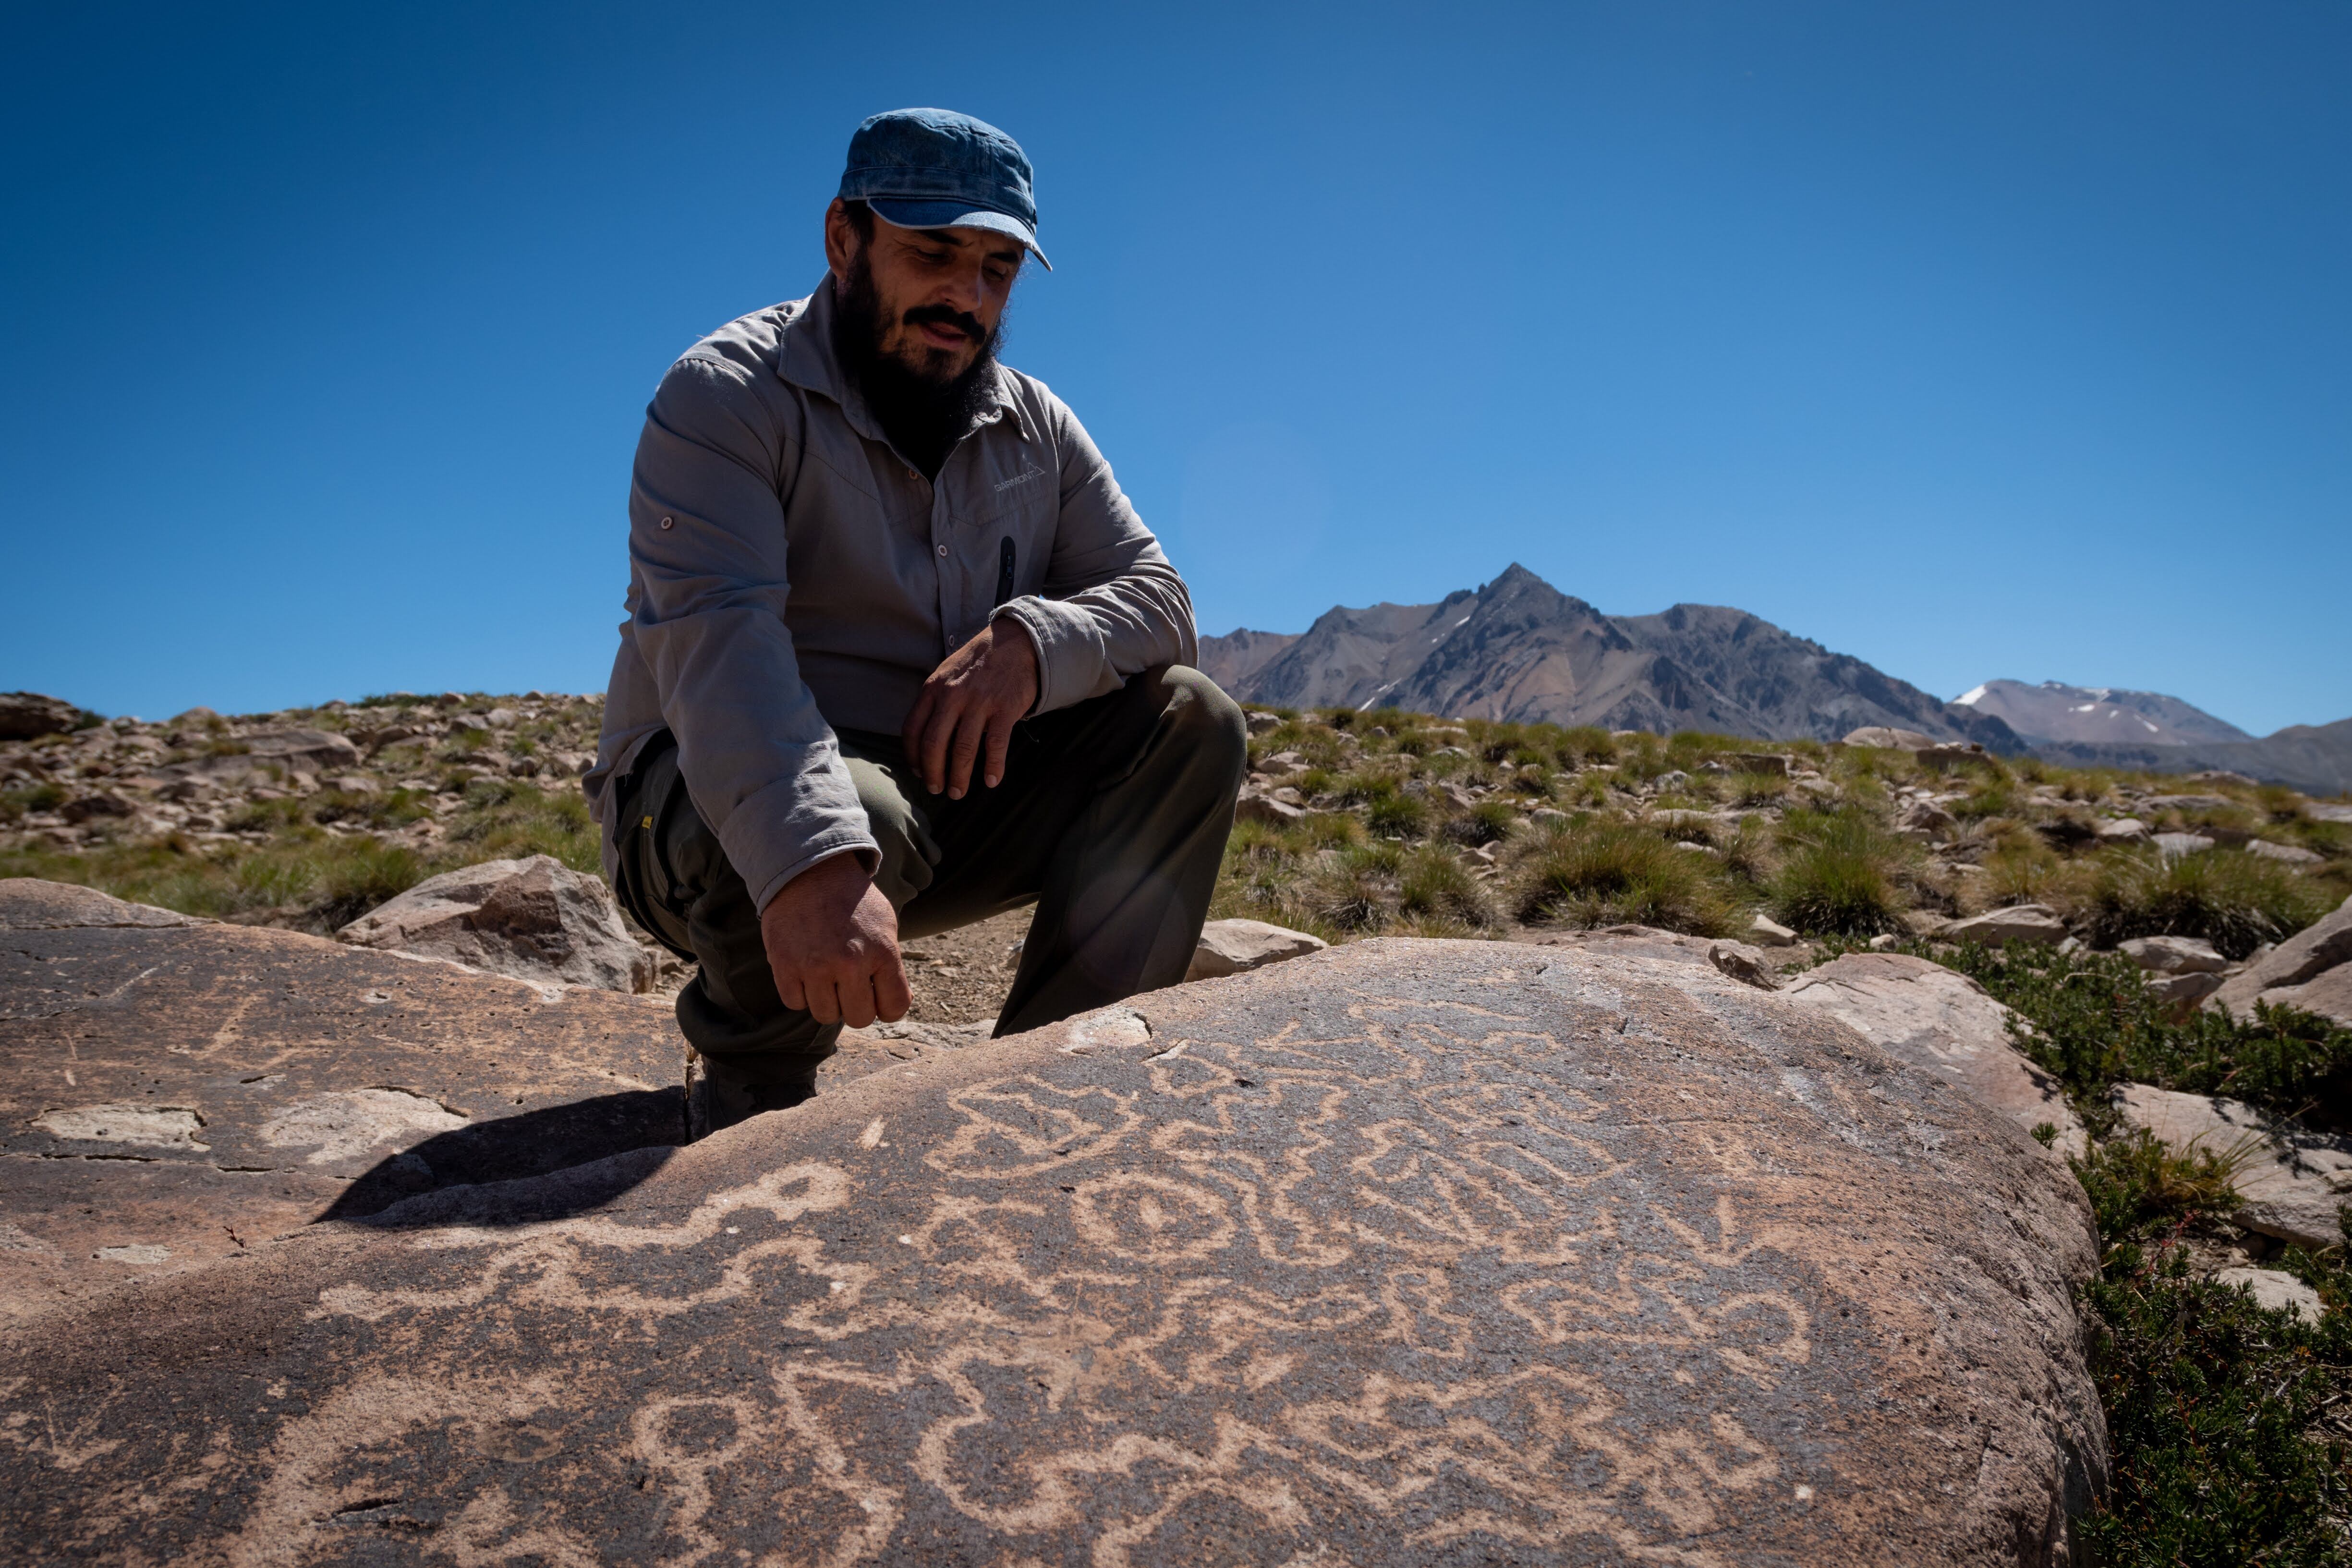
x,y
1974,339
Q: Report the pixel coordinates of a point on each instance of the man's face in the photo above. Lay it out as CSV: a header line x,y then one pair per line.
x,y
939,293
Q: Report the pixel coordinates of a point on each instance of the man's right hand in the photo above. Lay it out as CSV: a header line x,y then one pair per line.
x,y
832,940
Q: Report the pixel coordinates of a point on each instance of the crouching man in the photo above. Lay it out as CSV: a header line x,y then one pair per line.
x,y
900,653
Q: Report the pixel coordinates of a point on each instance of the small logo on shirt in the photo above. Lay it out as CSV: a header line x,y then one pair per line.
x,y
1023,478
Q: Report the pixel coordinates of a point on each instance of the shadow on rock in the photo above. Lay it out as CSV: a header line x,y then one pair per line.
x,y
515,1148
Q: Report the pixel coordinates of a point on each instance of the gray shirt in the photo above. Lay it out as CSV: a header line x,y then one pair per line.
x,y
790,573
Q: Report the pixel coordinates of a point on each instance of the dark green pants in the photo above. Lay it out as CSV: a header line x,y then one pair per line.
x,y
1112,819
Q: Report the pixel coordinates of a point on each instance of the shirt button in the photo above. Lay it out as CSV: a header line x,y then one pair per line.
x,y
944,550
668,521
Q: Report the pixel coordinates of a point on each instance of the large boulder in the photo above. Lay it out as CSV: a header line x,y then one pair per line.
x,y
1945,1024
283,752
2291,1183
28,715
2303,957
1401,1253
536,920
174,1092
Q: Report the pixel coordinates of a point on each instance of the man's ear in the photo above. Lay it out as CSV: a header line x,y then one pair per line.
x,y
840,241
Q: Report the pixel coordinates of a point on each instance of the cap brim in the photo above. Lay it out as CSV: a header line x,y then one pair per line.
x,y
956,215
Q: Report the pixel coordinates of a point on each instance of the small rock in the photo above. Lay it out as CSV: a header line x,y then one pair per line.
x,y
1883,942
105,804
1761,762
2275,1289
501,717
1236,947
2185,990
2175,846
2323,810
2289,1184
1260,722
535,920
1887,738
1744,964
1926,819
1764,932
2017,922
2291,854
2188,802
1256,805
1673,778
2174,954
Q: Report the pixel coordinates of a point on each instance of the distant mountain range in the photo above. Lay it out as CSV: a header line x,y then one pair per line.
x,y
2097,715
1520,649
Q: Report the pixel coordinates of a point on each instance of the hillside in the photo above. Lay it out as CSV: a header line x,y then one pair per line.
x,y
1518,650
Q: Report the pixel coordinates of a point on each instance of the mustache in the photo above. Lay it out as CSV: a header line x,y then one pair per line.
x,y
947,315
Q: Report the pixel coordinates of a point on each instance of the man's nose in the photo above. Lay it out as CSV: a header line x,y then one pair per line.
x,y
968,286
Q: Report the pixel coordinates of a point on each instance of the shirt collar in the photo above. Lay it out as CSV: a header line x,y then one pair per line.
x,y
808,361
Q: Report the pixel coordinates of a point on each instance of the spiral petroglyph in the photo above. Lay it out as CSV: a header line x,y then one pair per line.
x,y
1351,1261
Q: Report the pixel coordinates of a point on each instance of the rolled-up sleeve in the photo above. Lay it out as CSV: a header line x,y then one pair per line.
x,y
1111,604
707,545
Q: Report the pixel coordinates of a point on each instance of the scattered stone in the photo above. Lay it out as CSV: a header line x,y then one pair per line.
x,y
1745,965
1889,738
2175,846
1255,805
1766,931
2277,1291
2325,811
1761,762
2185,990
2291,854
198,1088
2122,830
1236,947
2014,922
2188,802
1260,722
103,803
536,920
2174,954
2304,956
1925,819
355,784
28,715
1943,1023
1383,1257
501,717
2289,1182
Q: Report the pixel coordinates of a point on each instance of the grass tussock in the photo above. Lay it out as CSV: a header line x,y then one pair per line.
x,y
2235,901
1840,875
1598,873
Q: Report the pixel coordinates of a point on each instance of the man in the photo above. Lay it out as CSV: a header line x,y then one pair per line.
x,y
899,654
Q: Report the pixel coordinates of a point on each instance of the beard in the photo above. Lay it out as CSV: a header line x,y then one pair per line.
x,y
925,407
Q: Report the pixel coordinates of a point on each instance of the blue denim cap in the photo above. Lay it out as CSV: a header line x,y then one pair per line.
x,y
933,168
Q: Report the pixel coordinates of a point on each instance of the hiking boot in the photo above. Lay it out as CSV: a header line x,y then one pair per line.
x,y
720,1092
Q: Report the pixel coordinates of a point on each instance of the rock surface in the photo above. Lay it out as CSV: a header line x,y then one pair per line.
x,y
2303,957
1408,1252
2015,922
2174,954
1945,1024
28,715
2277,1291
1236,947
536,920
173,1092
2292,1183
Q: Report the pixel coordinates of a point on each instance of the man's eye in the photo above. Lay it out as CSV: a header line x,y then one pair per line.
x,y
933,256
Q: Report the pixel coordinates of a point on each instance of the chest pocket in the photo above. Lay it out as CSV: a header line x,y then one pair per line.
x,y
1013,533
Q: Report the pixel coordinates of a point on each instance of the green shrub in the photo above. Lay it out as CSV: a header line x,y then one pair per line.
x,y
1436,888
1489,822
1602,873
1757,789
1838,874
2235,901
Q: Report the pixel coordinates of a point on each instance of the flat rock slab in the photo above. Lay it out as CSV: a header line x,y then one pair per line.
x,y
2289,1184
173,1092
1409,1252
1943,1023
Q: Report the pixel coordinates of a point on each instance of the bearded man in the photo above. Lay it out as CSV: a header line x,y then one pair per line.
x,y
900,653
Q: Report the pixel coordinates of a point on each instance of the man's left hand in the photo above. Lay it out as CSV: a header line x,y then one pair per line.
x,y
970,705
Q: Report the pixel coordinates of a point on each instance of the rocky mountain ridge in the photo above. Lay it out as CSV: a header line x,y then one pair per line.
x,y
2056,713
1519,650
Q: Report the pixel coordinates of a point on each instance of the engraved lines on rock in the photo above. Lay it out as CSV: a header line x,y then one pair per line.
x,y
1493,1167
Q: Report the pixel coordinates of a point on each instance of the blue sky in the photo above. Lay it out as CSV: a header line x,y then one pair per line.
x,y
1976,340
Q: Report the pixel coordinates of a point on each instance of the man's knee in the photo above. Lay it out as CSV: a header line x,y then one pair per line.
x,y
1208,722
